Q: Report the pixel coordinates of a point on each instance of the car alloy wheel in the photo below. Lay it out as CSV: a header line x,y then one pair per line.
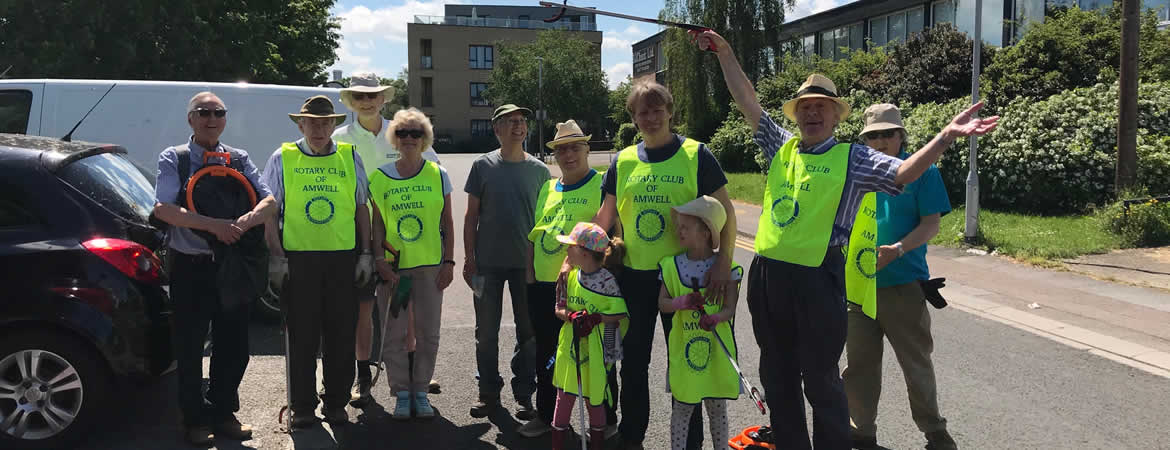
x,y
40,394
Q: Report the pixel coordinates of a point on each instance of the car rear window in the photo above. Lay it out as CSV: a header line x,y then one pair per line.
x,y
113,182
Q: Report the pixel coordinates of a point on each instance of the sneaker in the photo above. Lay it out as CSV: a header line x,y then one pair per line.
x,y
336,416
526,411
199,436
402,406
422,406
434,387
231,428
360,397
302,419
483,407
940,440
534,428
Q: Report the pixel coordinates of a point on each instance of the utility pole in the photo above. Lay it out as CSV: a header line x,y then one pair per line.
x,y
540,104
1127,103
971,226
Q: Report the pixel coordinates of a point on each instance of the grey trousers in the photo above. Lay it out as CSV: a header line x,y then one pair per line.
x,y
903,319
427,302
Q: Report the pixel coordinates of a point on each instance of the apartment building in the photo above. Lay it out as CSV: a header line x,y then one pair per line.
x,y
650,59
451,58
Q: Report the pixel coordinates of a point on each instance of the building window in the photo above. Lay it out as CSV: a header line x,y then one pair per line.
x,y
481,128
895,27
15,108
428,91
427,61
810,45
943,12
827,45
836,42
477,94
480,57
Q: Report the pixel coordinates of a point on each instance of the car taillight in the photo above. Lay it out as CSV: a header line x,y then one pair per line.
x,y
130,258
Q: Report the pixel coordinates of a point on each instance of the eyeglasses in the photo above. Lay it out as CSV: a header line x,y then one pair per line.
x,y
364,95
205,113
417,134
883,134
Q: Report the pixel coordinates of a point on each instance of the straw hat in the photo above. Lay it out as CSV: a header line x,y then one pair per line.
x,y
509,108
882,116
567,133
816,86
710,211
317,106
365,82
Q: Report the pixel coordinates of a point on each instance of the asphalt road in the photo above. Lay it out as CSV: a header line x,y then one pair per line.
x,y
1000,388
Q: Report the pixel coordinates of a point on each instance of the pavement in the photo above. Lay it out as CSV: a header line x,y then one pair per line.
x,y
1087,369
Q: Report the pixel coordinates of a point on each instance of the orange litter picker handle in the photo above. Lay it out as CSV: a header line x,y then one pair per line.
x,y
217,171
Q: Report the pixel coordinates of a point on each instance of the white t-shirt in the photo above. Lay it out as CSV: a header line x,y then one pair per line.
x,y
375,150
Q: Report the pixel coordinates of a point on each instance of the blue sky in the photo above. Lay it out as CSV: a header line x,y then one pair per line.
x,y
374,31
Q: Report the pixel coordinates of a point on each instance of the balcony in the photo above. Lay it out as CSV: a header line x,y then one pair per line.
x,y
495,22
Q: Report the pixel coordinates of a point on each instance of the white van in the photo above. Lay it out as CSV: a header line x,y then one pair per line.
x,y
146,117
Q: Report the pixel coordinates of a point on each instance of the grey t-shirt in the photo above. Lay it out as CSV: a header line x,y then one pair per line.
x,y
507,193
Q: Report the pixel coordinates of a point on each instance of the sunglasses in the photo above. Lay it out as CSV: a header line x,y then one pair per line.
x,y
364,95
417,134
205,113
883,134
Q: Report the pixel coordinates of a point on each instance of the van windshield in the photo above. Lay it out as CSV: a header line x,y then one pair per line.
x,y
113,182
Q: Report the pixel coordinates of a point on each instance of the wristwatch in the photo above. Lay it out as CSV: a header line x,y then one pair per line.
x,y
901,252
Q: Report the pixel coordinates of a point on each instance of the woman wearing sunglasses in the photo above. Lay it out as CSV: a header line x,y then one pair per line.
x,y
886,300
412,216
366,97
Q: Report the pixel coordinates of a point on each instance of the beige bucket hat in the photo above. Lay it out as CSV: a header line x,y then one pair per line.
x,y
320,107
707,209
568,132
367,83
882,116
816,86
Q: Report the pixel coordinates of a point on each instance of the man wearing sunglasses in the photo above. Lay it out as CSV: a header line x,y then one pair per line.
x,y
194,282
896,309
366,97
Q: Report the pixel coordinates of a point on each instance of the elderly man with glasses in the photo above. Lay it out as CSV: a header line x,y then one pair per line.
x,y
195,290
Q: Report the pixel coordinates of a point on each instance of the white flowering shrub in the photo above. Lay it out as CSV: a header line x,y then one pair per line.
x,y
925,121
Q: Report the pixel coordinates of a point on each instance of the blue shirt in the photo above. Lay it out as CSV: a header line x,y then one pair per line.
x,y
166,190
898,215
869,171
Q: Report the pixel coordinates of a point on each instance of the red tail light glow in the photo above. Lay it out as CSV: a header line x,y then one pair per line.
x,y
130,258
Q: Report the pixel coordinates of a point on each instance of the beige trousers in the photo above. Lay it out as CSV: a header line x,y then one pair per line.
x,y
904,320
423,320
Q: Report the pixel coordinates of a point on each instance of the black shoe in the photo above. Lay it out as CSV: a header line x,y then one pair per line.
x,y
302,419
484,407
526,411
360,397
865,443
336,416
940,440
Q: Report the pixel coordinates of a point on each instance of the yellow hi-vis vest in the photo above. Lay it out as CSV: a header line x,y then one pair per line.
x,y
412,210
319,199
697,369
800,203
861,261
645,194
592,357
557,213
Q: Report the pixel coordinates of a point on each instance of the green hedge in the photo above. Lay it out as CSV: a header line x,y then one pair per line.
x,y
1144,224
627,135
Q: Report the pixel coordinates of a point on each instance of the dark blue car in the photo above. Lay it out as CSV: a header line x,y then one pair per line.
x,y
82,302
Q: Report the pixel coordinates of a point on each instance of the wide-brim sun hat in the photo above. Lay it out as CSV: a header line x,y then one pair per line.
x,y
568,132
317,107
882,116
587,235
816,86
509,108
710,211
365,82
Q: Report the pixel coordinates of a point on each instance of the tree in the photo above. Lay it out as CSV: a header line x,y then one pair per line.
x,y
574,84
752,29
618,114
401,98
263,41
933,65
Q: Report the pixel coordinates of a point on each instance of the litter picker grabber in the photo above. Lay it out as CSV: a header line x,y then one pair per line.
x,y
694,30
747,386
394,296
281,418
581,399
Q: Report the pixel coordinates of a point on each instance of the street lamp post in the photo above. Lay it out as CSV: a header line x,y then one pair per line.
x,y
971,226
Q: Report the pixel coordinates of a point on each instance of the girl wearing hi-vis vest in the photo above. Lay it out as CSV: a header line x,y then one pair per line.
x,y
412,214
796,285
595,316
644,181
698,370
561,204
